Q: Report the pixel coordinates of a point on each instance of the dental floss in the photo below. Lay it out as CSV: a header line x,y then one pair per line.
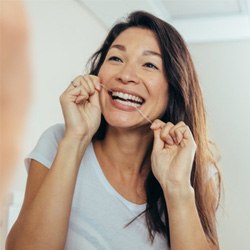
x,y
143,115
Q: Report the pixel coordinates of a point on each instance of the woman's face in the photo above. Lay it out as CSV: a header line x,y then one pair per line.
x,y
133,71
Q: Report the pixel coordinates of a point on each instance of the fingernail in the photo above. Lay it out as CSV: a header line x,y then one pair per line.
x,y
176,140
169,141
98,86
152,126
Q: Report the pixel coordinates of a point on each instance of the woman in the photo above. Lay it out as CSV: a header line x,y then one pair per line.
x,y
109,179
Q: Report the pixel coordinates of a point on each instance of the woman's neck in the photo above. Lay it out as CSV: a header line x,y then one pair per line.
x,y
125,151
124,157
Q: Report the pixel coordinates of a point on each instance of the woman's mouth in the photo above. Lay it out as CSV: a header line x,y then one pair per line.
x,y
126,98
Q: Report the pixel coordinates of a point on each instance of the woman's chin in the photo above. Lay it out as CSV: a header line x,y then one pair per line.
x,y
121,121
128,124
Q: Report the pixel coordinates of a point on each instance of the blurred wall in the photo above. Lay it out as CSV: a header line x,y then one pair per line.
x,y
64,36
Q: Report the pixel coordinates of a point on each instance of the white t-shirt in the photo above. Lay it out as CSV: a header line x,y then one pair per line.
x,y
99,213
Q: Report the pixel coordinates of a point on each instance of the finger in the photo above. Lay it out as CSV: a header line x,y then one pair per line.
x,y
88,85
157,124
79,99
92,81
187,134
94,99
96,81
178,136
80,93
165,127
165,136
175,133
71,86
182,133
93,84
156,127
76,82
158,143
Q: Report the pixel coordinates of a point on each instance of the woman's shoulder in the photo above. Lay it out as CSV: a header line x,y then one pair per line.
x,y
54,132
46,147
57,128
50,138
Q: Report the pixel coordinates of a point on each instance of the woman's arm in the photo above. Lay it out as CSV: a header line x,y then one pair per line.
x,y
172,158
186,232
43,220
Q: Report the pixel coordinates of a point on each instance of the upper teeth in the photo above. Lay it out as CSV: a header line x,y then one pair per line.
x,y
126,96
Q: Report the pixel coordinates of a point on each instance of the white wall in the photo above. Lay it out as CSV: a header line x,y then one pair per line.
x,y
224,70
64,36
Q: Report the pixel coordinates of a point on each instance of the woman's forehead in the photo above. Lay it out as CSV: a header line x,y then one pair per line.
x,y
136,36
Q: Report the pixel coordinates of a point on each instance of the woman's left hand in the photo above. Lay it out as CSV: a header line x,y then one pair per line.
x,y
173,154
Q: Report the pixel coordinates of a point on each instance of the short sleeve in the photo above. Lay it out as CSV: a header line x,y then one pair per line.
x,y
46,147
212,171
214,181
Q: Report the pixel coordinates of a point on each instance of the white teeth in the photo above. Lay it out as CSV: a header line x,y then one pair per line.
x,y
128,103
127,96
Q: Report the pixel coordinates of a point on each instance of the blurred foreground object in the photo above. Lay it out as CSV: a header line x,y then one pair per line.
x,y
14,87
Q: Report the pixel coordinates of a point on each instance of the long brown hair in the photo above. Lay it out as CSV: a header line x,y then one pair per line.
x,y
185,104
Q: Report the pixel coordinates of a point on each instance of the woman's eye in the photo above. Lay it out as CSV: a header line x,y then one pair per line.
x,y
115,58
150,65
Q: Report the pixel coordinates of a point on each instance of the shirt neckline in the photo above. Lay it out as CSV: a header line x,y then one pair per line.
x,y
137,208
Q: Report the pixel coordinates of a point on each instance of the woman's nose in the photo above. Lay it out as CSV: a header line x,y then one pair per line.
x,y
128,74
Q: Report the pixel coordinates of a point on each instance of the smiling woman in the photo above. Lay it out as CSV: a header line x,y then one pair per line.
x,y
137,66
108,178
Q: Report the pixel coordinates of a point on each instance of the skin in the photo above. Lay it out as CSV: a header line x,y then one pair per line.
x,y
122,154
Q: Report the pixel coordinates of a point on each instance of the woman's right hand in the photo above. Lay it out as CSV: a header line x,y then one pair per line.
x,y
81,107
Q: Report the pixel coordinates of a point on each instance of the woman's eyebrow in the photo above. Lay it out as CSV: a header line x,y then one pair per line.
x,y
118,46
151,53
145,52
